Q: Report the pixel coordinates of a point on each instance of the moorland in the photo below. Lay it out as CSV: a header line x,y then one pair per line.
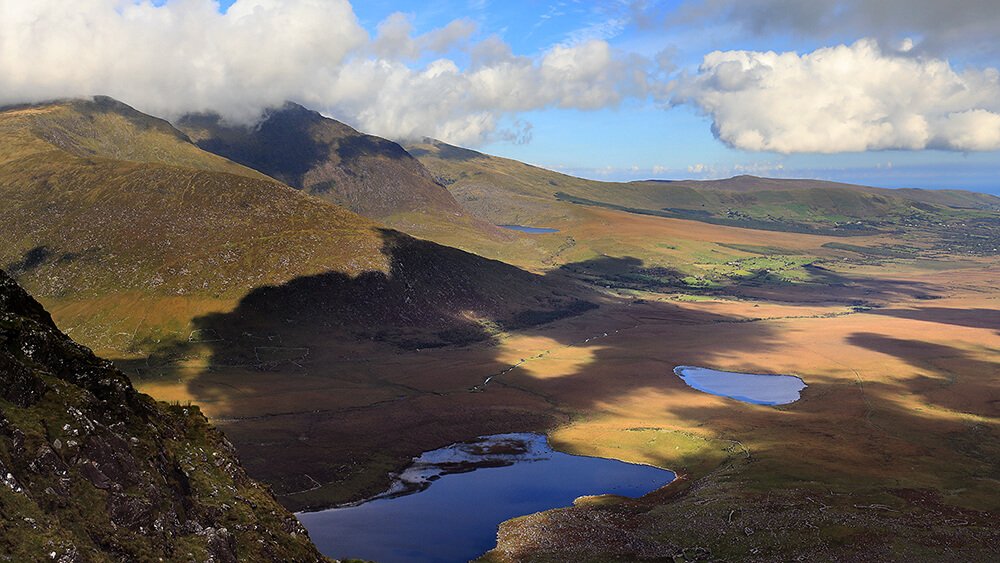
x,y
332,340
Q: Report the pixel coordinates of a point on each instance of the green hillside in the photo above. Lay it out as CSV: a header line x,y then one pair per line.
x,y
508,191
129,244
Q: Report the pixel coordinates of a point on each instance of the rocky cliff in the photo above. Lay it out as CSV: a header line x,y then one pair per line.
x,y
92,470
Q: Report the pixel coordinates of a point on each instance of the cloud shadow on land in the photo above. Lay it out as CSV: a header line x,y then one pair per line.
x,y
432,296
337,379
329,382
972,318
973,390
822,286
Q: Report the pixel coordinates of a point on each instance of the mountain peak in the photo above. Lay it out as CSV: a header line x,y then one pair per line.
x,y
104,128
370,175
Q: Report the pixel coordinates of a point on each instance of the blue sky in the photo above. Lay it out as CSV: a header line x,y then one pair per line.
x,y
890,93
641,138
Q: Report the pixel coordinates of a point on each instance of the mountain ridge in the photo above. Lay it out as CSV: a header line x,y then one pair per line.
x,y
506,191
370,175
128,247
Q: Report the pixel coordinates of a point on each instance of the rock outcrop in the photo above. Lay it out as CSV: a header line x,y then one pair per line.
x,y
92,470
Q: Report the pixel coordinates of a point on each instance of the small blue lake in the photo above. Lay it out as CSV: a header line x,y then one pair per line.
x,y
756,388
529,230
446,506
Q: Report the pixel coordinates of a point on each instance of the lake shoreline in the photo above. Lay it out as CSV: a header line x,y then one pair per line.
x,y
459,495
767,389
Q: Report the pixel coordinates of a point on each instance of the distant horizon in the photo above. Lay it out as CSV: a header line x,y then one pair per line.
x,y
886,183
878,177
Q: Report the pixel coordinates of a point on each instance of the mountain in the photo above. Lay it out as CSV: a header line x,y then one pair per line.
x,y
102,128
505,190
92,470
747,184
500,190
369,175
127,231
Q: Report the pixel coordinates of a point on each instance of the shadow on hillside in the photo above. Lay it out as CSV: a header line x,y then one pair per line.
x,y
978,377
325,376
280,148
432,296
972,318
822,286
289,142
328,382
447,152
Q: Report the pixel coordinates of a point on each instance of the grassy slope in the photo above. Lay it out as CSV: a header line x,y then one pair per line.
x,y
502,191
670,251
485,184
130,244
105,128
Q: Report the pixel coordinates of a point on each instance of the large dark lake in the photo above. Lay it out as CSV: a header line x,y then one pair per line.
x,y
447,505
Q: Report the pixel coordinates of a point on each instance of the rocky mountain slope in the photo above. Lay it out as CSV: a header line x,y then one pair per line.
x,y
92,470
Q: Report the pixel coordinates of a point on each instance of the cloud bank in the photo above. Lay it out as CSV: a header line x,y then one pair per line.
x,y
454,84
969,26
844,99
185,56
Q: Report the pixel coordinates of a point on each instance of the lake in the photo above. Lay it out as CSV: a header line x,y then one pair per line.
x,y
530,230
446,506
756,388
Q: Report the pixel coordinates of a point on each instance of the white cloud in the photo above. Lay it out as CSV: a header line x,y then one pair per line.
x,y
758,168
394,37
179,57
844,98
185,56
462,106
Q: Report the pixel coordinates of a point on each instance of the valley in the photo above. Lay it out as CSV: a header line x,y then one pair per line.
x,y
333,344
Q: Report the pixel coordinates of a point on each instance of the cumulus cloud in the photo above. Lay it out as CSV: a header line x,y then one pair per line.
x,y
392,98
182,56
844,98
185,56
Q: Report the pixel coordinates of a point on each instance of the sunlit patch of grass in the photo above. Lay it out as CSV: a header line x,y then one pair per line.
x,y
542,357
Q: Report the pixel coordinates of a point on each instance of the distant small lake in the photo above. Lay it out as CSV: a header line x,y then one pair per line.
x,y
756,388
531,230
446,506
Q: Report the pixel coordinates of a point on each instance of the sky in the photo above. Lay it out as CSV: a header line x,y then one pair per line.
x,y
895,93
